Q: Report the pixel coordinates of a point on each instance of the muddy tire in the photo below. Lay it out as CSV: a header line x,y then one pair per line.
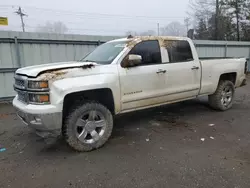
x,y
88,126
223,97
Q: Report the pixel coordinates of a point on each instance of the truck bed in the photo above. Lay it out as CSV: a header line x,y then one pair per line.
x,y
213,58
213,68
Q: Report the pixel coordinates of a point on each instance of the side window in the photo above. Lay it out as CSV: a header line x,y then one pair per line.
x,y
178,51
149,50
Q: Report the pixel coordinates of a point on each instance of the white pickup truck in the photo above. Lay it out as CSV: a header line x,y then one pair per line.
x,y
79,99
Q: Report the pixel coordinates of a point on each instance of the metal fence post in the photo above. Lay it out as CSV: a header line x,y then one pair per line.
x,y
17,53
248,62
226,50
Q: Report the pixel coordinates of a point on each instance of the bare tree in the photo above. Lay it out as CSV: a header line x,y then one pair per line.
x,y
148,33
55,27
221,19
133,33
201,9
144,33
174,29
238,10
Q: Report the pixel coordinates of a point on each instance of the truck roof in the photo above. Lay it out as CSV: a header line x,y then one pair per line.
x,y
143,38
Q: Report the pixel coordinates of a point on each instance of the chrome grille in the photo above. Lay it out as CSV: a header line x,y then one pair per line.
x,y
19,82
20,86
22,96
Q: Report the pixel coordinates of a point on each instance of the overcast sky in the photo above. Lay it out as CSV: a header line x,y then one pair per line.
x,y
109,17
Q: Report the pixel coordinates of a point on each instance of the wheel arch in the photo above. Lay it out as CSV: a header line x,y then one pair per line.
x,y
231,76
102,95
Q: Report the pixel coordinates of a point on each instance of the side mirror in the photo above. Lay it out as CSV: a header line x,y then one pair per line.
x,y
132,60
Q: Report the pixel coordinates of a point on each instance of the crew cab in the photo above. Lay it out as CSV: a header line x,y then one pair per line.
x,y
79,99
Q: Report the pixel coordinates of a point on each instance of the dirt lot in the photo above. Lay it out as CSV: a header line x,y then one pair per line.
x,y
161,147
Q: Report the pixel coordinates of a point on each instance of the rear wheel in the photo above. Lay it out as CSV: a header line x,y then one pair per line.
x,y
223,98
88,126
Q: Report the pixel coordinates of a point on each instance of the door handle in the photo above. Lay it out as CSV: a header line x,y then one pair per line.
x,y
195,68
161,71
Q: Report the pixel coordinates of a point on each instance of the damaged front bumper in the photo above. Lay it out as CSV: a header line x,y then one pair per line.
x,y
243,83
42,119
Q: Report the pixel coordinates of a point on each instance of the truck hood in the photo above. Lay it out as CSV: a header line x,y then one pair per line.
x,y
34,71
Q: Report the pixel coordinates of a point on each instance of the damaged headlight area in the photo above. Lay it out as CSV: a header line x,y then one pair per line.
x,y
38,84
37,98
32,91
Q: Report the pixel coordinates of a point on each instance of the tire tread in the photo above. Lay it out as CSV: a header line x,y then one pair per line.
x,y
215,99
68,133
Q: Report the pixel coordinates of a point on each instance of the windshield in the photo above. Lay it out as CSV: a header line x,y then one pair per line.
x,y
105,53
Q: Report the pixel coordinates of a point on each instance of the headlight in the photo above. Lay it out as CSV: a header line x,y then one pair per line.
x,y
38,85
39,98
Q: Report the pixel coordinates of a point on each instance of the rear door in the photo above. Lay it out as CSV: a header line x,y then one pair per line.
x,y
183,71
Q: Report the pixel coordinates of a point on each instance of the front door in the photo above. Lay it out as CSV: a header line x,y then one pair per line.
x,y
143,85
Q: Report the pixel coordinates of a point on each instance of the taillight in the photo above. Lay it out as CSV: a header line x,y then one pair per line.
x,y
245,71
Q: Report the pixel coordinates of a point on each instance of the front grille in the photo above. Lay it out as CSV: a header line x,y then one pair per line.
x,y
20,82
20,86
22,96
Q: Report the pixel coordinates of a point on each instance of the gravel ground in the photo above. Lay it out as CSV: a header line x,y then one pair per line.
x,y
180,145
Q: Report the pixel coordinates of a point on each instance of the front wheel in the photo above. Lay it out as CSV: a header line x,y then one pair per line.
x,y
223,97
88,126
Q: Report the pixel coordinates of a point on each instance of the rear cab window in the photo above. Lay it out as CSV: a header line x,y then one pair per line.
x,y
178,51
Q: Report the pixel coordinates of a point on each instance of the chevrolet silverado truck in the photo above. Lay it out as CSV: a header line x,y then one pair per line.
x,y
79,99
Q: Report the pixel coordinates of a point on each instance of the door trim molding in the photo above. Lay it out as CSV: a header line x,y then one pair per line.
x,y
146,98
155,105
